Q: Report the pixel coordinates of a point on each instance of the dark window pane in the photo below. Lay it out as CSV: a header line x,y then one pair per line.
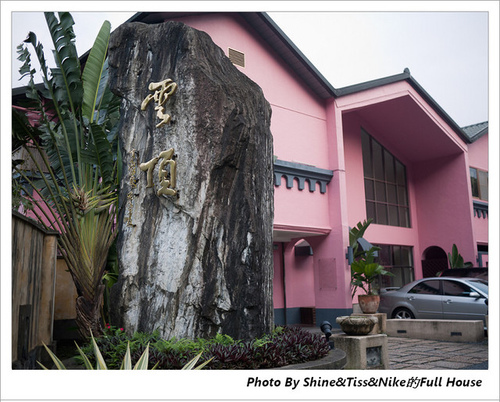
x,y
384,255
400,174
483,185
380,192
473,172
392,196
385,184
367,154
370,211
426,287
452,288
381,214
396,252
474,182
402,199
390,174
388,281
393,215
378,163
369,190
404,273
406,260
404,218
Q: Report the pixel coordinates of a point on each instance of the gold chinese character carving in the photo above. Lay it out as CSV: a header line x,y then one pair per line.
x,y
163,90
166,177
149,167
167,172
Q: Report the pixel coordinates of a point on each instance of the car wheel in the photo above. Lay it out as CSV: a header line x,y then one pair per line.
x,y
403,314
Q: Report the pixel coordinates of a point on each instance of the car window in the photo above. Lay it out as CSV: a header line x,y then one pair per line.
x,y
480,284
426,288
453,288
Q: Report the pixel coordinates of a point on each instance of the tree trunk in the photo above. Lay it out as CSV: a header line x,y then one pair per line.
x,y
88,314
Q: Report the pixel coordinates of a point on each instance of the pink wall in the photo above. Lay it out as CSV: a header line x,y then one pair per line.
x,y
478,153
278,298
478,158
332,272
299,278
444,206
302,209
480,225
299,137
298,121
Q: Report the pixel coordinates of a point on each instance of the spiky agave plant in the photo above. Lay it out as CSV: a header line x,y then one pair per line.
x,y
72,149
141,364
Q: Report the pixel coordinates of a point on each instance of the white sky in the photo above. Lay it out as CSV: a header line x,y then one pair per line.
x,y
446,51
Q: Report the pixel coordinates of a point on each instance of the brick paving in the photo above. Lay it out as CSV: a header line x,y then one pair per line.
x,y
425,354
419,354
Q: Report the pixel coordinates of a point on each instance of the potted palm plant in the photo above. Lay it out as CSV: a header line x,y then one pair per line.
x,y
365,270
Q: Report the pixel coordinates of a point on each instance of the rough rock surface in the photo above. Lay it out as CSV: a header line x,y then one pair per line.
x,y
198,263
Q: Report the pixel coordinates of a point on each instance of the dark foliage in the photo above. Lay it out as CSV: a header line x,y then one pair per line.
x,y
286,345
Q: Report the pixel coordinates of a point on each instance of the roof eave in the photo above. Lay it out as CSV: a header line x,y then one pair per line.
x,y
285,47
364,86
406,76
479,134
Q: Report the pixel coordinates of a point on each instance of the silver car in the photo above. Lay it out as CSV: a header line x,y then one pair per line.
x,y
437,298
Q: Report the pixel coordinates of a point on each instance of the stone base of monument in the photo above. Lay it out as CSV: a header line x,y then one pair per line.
x,y
363,351
381,325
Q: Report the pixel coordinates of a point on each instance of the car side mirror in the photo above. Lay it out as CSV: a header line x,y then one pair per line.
x,y
475,294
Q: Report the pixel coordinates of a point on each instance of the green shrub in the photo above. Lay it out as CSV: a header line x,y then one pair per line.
x,y
285,345
126,364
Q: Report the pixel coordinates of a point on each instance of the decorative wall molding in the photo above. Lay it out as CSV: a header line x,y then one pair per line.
x,y
480,209
303,173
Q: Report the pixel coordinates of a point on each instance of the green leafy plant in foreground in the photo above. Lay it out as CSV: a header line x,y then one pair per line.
x,y
73,158
285,345
142,362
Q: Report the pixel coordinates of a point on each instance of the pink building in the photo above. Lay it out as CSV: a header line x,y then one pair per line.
x,y
383,149
478,170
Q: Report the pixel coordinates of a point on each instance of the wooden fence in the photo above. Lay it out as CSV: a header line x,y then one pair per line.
x,y
34,256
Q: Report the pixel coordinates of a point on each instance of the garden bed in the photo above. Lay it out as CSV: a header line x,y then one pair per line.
x,y
285,346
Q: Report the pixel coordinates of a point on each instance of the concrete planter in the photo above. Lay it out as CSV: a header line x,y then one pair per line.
x,y
356,325
438,330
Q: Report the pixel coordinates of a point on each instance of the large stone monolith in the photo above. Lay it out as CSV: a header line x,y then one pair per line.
x,y
199,261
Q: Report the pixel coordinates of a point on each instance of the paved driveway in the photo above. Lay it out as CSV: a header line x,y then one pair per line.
x,y
420,354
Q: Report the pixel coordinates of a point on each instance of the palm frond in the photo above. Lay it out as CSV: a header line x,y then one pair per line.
x,y
92,76
73,184
68,84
